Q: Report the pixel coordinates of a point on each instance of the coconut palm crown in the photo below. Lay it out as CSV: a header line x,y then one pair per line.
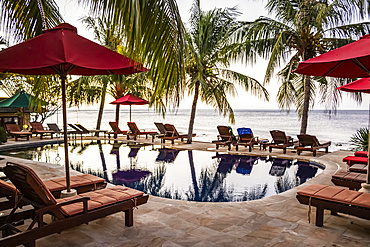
x,y
208,76
302,29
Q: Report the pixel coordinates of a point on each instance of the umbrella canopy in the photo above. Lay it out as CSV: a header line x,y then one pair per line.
x,y
21,99
62,51
361,85
130,99
349,61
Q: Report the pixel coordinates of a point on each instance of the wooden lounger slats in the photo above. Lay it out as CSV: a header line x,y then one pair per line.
x,y
335,198
351,180
360,168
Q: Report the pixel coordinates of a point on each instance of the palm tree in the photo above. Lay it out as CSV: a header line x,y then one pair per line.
x,y
207,62
302,30
153,31
154,35
22,20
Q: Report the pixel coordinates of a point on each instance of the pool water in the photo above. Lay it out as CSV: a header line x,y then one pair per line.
x,y
184,175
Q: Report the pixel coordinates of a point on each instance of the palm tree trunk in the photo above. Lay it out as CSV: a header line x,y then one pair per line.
x,y
101,108
117,114
193,176
193,111
306,104
117,120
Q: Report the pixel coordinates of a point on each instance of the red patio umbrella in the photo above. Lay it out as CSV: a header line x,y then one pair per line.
x,y
349,61
62,51
361,85
129,99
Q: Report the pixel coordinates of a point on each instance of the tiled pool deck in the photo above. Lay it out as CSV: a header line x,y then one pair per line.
x,y
275,221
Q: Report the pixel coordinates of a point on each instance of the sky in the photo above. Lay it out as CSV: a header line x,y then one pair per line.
x,y
250,10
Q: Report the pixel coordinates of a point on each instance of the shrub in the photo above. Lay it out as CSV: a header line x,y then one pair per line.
x,y
3,135
360,140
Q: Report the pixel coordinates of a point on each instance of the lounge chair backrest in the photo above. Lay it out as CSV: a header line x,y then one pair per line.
x,y
74,127
160,128
115,127
54,127
171,129
225,132
242,131
84,130
37,126
31,187
133,128
12,127
278,136
308,140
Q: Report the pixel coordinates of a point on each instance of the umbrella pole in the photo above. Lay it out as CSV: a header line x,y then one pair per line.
x,y
65,137
365,187
368,145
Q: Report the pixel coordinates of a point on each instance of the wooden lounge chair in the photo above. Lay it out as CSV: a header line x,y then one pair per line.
x,y
337,199
134,131
225,137
351,180
14,130
95,132
81,183
54,127
77,131
310,143
246,139
360,168
67,212
161,129
116,130
280,140
172,134
37,128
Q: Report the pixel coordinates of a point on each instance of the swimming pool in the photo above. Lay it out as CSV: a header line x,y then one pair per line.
x,y
185,175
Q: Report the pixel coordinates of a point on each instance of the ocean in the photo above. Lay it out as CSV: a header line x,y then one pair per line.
x,y
337,128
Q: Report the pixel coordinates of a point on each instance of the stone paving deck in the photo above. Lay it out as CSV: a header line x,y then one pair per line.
x,y
274,221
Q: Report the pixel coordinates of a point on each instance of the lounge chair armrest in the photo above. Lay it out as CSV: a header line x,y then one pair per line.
x,y
172,133
224,136
84,200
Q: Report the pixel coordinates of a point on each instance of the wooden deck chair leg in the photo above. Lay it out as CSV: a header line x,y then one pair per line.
x,y
129,217
319,215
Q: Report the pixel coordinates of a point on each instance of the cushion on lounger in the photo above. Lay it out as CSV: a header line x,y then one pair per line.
x,y
100,198
355,160
361,168
361,153
362,200
336,194
76,181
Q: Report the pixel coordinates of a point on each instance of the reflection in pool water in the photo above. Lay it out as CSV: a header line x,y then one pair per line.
x,y
186,175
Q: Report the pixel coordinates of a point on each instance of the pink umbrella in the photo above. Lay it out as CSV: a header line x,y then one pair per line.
x,y
129,99
62,51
